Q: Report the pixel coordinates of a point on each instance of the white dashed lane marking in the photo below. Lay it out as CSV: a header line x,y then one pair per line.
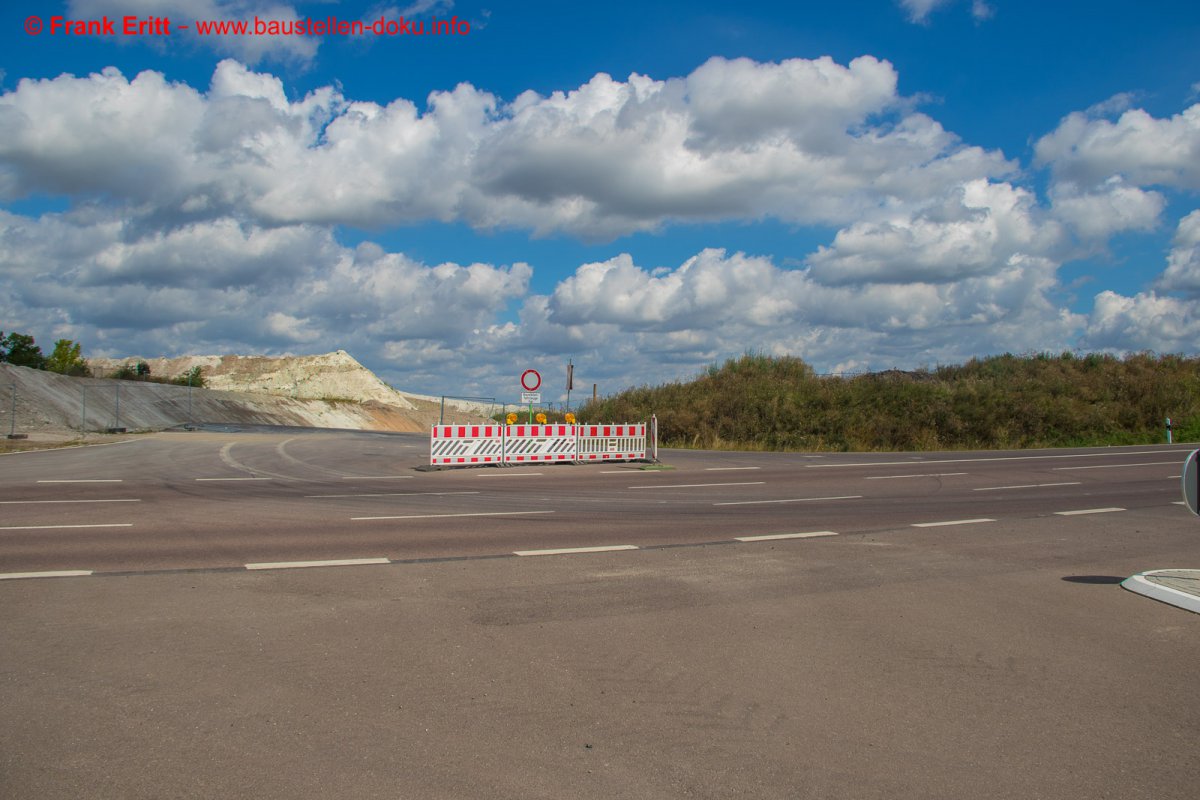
x,y
376,477
443,516
922,475
566,551
1025,486
952,522
1119,466
508,474
62,527
83,480
385,494
345,562
788,500
698,485
46,502
1087,511
64,573
771,537
233,479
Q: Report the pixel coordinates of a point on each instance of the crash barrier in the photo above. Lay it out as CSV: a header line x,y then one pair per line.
x,y
463,445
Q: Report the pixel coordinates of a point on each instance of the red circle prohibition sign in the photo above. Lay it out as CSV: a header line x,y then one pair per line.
x,y
537,380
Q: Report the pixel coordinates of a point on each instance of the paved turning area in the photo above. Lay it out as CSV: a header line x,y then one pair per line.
x,y
772,625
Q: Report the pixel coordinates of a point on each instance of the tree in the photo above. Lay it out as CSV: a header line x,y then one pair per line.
x,y
66,359
20,350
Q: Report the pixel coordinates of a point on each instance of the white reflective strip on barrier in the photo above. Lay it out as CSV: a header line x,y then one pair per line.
x,y
538,443
466,444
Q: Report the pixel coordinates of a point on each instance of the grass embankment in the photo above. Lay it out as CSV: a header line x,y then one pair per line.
x,y
762,403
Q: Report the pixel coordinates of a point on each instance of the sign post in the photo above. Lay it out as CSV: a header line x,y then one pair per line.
x,y
531,381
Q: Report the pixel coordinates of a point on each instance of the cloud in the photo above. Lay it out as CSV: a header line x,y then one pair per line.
x,y
803,141
1183,264
1141,149
1146,321
716,305
204,220
1110,208
228,286
978,230
919,10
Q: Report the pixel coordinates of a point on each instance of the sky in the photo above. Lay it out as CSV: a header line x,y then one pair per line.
x,y
643,189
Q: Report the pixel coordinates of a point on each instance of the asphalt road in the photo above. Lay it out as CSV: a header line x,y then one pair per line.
x,y
224,500
934,625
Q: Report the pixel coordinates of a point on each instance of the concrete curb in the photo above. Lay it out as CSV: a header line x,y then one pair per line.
x,y
1177,587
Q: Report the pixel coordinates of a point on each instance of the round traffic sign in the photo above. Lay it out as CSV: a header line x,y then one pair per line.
x,y
1191,482
531,384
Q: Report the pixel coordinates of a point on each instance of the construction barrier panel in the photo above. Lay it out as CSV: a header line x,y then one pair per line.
x,y
455,445
612,442
525,444
466,444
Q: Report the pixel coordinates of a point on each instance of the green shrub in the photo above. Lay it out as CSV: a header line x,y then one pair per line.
x,y
1007,401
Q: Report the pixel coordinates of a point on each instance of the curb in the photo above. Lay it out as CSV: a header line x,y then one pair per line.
x,y
1157,585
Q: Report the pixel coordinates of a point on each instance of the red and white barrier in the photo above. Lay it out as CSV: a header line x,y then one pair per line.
x,y
464,445
524,444
612,442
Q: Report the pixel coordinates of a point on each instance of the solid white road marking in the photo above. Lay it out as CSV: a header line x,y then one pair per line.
x,y
441,516
923,475
1117,466
791,500
56,527
36,502
1025,486
64,573
698,485
951,522
774,536
572,550
1087,511
84,480
345,562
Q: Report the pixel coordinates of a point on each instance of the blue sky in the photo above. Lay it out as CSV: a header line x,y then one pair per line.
x,y
645,188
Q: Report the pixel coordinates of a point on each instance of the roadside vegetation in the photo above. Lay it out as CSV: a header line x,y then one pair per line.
x,y
762,403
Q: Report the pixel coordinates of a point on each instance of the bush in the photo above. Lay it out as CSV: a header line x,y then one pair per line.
x,y
1007,401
